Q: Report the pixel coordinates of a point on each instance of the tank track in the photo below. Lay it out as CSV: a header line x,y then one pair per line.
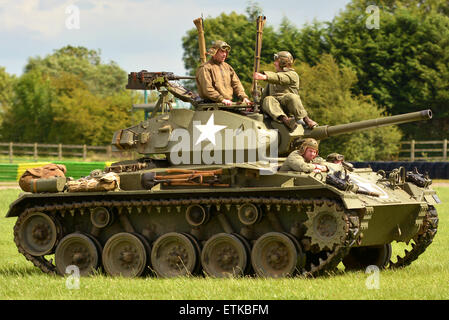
x,y
329,263
422,240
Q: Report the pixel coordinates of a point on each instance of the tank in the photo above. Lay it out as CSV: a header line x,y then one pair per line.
x,y
206,197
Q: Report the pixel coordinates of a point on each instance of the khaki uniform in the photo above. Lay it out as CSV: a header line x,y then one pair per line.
x,y
218,81
281,95
296,162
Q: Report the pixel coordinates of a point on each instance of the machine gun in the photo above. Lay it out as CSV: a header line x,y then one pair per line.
x,y
145,80
418,179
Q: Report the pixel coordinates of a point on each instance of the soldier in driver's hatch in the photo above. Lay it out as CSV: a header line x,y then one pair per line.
x,y
306,159
216,80
281,95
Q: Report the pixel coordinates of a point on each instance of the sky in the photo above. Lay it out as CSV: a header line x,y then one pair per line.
x,y
136,34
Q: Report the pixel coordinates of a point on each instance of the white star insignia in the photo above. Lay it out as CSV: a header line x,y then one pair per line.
x,y
208,130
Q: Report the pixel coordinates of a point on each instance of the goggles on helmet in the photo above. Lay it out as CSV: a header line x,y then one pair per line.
x,y
225,47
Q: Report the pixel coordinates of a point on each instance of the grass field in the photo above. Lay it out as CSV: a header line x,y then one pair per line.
x,y
426,278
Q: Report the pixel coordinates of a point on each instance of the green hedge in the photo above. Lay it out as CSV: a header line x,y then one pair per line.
x,y
8,172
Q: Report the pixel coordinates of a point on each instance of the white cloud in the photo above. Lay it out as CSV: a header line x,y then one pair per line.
x,y
29,16
144,33
46,18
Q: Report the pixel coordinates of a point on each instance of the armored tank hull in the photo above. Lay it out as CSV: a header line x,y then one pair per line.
x,y
228,220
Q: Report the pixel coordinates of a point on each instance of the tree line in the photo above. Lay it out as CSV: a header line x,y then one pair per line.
x,y
68,97
348,72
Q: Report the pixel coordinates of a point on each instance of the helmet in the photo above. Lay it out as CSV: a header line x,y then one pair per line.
x,y
285,59
335,157
308,143
219,44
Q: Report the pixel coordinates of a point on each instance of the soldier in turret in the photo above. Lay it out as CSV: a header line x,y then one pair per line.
x,y
281,95
216,80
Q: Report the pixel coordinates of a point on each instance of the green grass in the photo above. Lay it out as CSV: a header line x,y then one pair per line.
x,y
426,278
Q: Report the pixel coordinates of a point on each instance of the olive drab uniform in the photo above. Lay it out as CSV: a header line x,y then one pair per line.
x,y
218,81
281,95
296,162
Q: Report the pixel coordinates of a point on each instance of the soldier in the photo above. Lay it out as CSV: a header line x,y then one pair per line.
x,y
340,160
216,80
305,159
335,158
281,95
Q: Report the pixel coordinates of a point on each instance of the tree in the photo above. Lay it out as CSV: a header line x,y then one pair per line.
x,y
6,87
404,63
6,91
326,89
306,44
69,97
102,78
81,117
29,117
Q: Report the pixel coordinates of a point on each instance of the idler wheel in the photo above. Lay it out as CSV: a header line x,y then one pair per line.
x,y
359,258
174,254
38,234
125,254
224,255
274,255
77,249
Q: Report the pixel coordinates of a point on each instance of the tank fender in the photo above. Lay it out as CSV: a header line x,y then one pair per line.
x,y
352,202
15,208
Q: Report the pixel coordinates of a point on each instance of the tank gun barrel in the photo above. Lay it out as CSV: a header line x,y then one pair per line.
x,y
323,132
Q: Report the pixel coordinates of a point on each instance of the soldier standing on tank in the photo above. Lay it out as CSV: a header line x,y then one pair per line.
x,y
216,80
305,159
281,95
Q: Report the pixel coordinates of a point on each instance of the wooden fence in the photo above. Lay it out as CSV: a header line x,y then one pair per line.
x,y
410,150
36,150
423,150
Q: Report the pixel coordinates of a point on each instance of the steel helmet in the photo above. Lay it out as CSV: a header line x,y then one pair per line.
x,y
285,59
219,44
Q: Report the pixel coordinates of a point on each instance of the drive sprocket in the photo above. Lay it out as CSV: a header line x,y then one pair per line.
x,y
326,226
